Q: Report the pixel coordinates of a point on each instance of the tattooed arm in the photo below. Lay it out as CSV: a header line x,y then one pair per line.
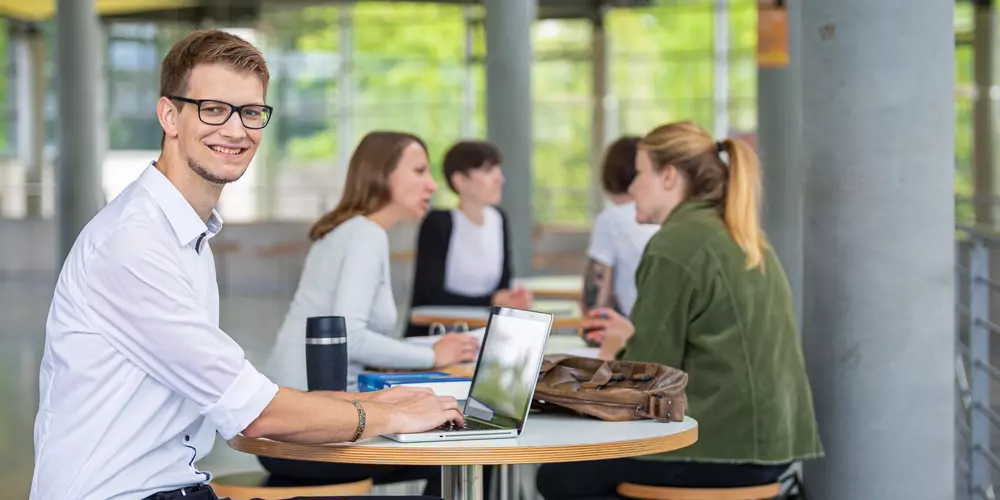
x,y
597,291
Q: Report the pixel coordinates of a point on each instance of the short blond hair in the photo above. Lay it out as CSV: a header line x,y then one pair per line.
x,y
209,47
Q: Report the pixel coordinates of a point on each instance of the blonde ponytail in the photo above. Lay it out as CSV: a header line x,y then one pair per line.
x,y
743,200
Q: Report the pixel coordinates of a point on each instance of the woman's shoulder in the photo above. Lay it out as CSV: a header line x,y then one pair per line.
x,y
685,241
358,230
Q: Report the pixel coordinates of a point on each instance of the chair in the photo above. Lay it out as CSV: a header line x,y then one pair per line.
x,y
643,492
248,487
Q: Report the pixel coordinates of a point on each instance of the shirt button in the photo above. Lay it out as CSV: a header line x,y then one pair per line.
x,y
187,438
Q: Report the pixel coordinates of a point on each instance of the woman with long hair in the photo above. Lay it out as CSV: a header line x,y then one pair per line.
x,y
346,273
714,301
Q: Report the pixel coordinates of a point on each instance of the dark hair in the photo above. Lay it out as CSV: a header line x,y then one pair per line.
x,y
366,188
618,169
469,155
734,189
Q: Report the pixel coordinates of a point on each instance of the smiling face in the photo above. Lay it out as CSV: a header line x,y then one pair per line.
x,y
219,154
411,185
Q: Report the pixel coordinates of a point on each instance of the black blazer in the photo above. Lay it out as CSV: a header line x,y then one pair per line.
x,y
432,255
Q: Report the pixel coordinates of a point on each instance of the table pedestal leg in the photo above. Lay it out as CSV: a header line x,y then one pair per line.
x,y
503,481
462,482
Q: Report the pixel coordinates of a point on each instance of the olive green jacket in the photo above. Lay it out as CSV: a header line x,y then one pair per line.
x,y
734,332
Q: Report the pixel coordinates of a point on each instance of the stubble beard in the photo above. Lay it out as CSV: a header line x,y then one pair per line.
x,y
203,172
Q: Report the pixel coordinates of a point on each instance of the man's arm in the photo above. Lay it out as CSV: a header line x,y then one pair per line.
x,y
317,417
141,302
597,287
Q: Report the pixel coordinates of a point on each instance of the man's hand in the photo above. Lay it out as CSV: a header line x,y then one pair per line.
x,y
423,412
398,394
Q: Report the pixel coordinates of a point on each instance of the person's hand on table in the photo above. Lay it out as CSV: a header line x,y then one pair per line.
x,y
424,412
454,348
609,329
516,298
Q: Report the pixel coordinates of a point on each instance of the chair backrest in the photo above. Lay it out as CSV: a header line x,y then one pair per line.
x,y
643,492
247,487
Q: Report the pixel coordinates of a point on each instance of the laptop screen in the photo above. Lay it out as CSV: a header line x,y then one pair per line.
x,y
507,371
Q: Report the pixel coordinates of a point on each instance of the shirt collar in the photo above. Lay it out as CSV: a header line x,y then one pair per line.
x,y
187,225
689,206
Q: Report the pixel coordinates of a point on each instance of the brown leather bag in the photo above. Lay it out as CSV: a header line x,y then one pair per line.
x,y
611,390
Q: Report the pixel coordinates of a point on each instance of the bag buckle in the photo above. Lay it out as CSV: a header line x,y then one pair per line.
x,y
659,407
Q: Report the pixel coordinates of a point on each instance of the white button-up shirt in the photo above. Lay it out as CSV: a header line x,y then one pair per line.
x,y
136,376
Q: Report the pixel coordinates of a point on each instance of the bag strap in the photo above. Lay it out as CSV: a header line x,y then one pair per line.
x,y
602,375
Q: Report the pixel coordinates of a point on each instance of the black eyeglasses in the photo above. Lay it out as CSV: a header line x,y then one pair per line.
x,y
211,112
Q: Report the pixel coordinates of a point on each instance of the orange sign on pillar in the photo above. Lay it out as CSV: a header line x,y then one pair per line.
x,y
772,34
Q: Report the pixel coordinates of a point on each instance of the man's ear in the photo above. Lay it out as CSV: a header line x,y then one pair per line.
x,y
166,112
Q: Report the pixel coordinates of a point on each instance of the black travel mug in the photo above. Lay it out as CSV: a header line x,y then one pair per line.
x,y
326,353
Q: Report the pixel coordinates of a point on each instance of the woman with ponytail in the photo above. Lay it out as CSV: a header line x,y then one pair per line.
x,y
713,300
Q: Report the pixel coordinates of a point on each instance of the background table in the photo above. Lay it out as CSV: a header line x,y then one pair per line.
x,y
558,287
566,314
546,439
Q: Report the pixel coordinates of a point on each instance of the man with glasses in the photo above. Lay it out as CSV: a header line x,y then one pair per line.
x,y
136,376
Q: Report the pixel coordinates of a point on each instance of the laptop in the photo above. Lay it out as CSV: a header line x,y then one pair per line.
x,y
504,382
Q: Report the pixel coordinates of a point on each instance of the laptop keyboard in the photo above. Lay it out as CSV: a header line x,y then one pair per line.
x,y
470,425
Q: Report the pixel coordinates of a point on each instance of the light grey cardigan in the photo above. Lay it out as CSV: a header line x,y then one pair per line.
x,y
346,273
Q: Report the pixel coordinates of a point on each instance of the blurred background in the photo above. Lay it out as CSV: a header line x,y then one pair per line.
x,y
339,70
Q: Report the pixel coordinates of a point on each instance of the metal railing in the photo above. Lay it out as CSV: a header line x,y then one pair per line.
x,y
976,461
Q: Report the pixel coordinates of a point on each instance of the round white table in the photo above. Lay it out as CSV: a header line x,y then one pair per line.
x,y
545,439
562,287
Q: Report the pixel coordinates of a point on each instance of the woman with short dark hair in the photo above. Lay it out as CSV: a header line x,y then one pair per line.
x,y
463,255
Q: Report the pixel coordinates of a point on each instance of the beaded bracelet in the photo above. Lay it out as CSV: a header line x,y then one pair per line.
x,y
361,421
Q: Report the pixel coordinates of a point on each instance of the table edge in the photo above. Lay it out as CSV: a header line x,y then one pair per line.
x,y
490,455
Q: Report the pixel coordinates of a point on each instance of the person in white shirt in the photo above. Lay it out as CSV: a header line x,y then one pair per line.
x,y
346,273
617,239
136,376
463,255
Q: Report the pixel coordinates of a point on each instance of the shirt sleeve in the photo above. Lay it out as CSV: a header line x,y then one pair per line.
x,y
602,240
142,303
661,312
354,293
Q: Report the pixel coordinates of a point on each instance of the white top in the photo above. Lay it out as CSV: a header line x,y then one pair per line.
x,y
617,240
475,254
346,273
136,376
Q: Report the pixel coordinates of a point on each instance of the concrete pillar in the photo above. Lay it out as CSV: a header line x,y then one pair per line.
x,y
468,74
878,113
721,68
984,38
599,114
30,91
80,97
508,113
345,90
779,139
